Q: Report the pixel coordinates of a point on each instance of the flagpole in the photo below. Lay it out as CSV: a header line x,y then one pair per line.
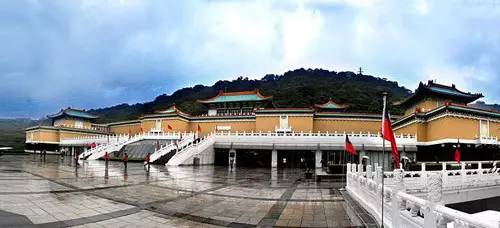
x,y
383,156
343,167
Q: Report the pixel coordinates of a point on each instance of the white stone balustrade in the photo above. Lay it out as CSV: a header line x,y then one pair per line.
x,y
402,209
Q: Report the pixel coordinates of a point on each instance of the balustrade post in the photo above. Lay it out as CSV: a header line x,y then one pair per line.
x,y
349,174
369,172
397,203
423,175
434,197
360,169
479,168
378,175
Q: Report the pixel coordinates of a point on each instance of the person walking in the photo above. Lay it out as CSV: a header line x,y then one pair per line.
x,y
44,154
106,159
146,161
125,160
231,163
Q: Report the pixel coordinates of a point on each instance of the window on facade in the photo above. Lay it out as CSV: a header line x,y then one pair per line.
x,y
284,122
484,128
78,124
158,125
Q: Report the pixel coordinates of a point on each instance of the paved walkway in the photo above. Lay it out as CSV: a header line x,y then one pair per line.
x,y
56,193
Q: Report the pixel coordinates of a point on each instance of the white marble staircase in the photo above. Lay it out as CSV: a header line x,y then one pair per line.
x,y
185,141
200,148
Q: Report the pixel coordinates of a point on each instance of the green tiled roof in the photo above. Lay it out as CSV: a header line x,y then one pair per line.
x,y
72,113
223,97
434,89
330,105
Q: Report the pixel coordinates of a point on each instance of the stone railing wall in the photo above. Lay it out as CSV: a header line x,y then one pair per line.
x,y
402,209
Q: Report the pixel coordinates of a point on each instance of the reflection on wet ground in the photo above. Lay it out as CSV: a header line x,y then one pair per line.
x,y
58,193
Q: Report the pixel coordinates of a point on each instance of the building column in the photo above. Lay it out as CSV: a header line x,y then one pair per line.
x,y
318,158
274,159
73,151
232,153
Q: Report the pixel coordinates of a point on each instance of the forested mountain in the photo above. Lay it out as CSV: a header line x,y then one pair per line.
x,y
12,132
297,88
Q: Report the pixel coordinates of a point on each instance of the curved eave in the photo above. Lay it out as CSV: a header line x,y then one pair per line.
x,y
153,116
451,108
441,92
62,114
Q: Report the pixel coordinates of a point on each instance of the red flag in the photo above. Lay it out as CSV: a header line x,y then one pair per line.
x,y
457,152
388,134
169,127
349,147
93,145
142,130
199,128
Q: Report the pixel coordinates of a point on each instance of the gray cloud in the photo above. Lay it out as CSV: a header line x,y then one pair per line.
x,y
99,53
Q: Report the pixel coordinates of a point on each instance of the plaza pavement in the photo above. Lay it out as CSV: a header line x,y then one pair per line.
x,y
56,193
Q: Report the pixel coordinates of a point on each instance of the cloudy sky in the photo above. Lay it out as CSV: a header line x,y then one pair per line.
x,y
98,53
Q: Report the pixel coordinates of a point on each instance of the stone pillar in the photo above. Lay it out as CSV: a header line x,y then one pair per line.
x,y
369,172
479,168
318,158
378,175
72,151
434,197
232,151
397,203
274,158
360,168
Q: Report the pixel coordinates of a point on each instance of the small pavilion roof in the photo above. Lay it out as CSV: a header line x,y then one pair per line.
x,y
71,112
223,97
331,105
444,91
171,110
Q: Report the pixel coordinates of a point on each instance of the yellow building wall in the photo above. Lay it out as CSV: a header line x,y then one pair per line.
x,y
209,126
452,127
43,135
266,123
176,124
341,125
147,125
495,129
134,128
418,129
300,123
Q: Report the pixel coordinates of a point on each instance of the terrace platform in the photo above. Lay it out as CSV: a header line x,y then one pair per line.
x,y
56,193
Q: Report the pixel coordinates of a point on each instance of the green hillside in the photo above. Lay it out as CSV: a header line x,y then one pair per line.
x,y
297,88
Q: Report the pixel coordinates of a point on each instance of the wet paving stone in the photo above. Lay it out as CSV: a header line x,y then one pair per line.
x,y
58,193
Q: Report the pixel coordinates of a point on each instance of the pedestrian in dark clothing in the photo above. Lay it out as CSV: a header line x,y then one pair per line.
x,y
125,160
146,161
106,158
44,154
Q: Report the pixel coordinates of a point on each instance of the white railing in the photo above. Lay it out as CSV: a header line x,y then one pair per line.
x,y
402,209
192,150
106,139
312,134
188,138
452,178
